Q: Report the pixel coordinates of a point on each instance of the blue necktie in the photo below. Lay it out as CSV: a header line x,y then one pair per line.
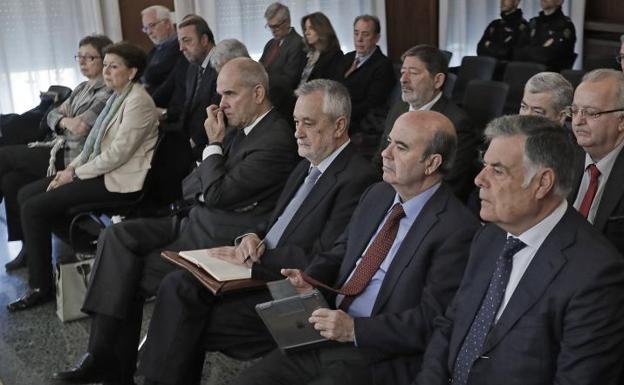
x,y
483,321
276,231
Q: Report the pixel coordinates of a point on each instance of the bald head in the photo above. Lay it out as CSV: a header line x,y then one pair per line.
x,y
421,149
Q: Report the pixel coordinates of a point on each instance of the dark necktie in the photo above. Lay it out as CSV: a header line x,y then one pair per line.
x,y
272,54
276,231
586,204
483,321
371,260
200,76
239,136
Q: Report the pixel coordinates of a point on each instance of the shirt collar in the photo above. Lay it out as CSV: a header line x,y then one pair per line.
x,y
362,59
414,205
605,164
325,163
427,107
535,236
248,129
206,61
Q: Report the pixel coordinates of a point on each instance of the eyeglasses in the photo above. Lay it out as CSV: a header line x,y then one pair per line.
x,y
619,58
591,113
87,58
151,26
273,27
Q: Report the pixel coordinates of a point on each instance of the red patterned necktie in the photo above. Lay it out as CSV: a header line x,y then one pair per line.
x,y
594,174
353,67
272,54
371,260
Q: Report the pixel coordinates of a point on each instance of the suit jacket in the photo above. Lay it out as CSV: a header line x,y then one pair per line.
x,y
369,87
461,177
564,323
160,63
242,186
609,218
127,145
418,285
327,66
284,70
321,218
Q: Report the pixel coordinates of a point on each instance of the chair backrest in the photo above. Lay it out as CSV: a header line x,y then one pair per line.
x,y
472,67
516,75
573,76
449,84
484,100
448,55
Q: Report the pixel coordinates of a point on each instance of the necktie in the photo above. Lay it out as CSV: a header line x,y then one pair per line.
x,y
594,174
353,67
276,231
200,76
272,54
235,142
483,321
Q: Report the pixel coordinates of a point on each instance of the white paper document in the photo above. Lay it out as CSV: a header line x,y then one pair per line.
x,y
221,270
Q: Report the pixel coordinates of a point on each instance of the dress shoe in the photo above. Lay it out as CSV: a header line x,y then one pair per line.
x,y
32,298
85,372
18,262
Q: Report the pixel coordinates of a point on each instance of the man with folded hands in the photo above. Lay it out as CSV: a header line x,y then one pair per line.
x,y
312,212
396,266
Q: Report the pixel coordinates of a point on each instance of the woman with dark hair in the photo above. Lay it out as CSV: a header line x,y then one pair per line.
x,y
111,167
69,124
324,53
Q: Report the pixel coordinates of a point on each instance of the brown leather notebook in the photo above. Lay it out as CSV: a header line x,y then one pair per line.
x,y
215,286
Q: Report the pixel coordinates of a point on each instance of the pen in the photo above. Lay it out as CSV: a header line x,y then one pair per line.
x,y
247,258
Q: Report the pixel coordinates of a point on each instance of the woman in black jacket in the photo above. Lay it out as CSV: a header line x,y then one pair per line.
x,y
323,49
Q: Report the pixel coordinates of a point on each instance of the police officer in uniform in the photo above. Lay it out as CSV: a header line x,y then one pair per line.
x,y
549,39
501,35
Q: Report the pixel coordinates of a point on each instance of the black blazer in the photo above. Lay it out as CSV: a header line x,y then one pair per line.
x,y
465,167
327,66
160,64
369,86
418,285
321,218
563,324
242,186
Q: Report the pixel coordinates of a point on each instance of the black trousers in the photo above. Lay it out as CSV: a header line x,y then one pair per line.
x,y
44,211
19,166
188,320
335,365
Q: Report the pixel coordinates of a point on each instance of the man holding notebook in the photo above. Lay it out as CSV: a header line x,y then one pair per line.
x,y
311,213
395,268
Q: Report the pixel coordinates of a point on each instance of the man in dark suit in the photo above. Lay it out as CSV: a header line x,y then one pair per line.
x,y
598,124
368,75
542,299
283,57
423,73
398,265
188,319
237,183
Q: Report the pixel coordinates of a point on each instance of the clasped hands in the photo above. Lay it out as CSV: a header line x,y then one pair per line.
x,y
61,178
332,324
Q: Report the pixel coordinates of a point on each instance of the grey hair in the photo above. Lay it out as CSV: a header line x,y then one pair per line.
x,y
445,144
555,83
277,9
548,145
162,12
225,51
336,99
608,74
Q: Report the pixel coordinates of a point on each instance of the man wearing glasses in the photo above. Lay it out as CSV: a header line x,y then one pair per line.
x,y
283,57
165,58
598,123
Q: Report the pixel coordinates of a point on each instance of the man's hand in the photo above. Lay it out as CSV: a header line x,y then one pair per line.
x,y
333,324
228,254
61,178
214,124
251,246
75,125
296,279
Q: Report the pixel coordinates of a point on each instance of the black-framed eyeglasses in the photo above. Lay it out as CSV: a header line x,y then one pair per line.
x,y
619,58
273,27
572,112
87,58
151,26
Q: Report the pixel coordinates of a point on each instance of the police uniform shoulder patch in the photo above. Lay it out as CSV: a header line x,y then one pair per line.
x,y
567,33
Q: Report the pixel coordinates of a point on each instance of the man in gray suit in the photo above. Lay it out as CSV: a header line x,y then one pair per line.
x,y
542,299
243,171
422,77
283,57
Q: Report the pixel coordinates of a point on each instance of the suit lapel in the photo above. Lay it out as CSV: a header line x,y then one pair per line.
x,y
578,165
409,249
546,264
613,191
